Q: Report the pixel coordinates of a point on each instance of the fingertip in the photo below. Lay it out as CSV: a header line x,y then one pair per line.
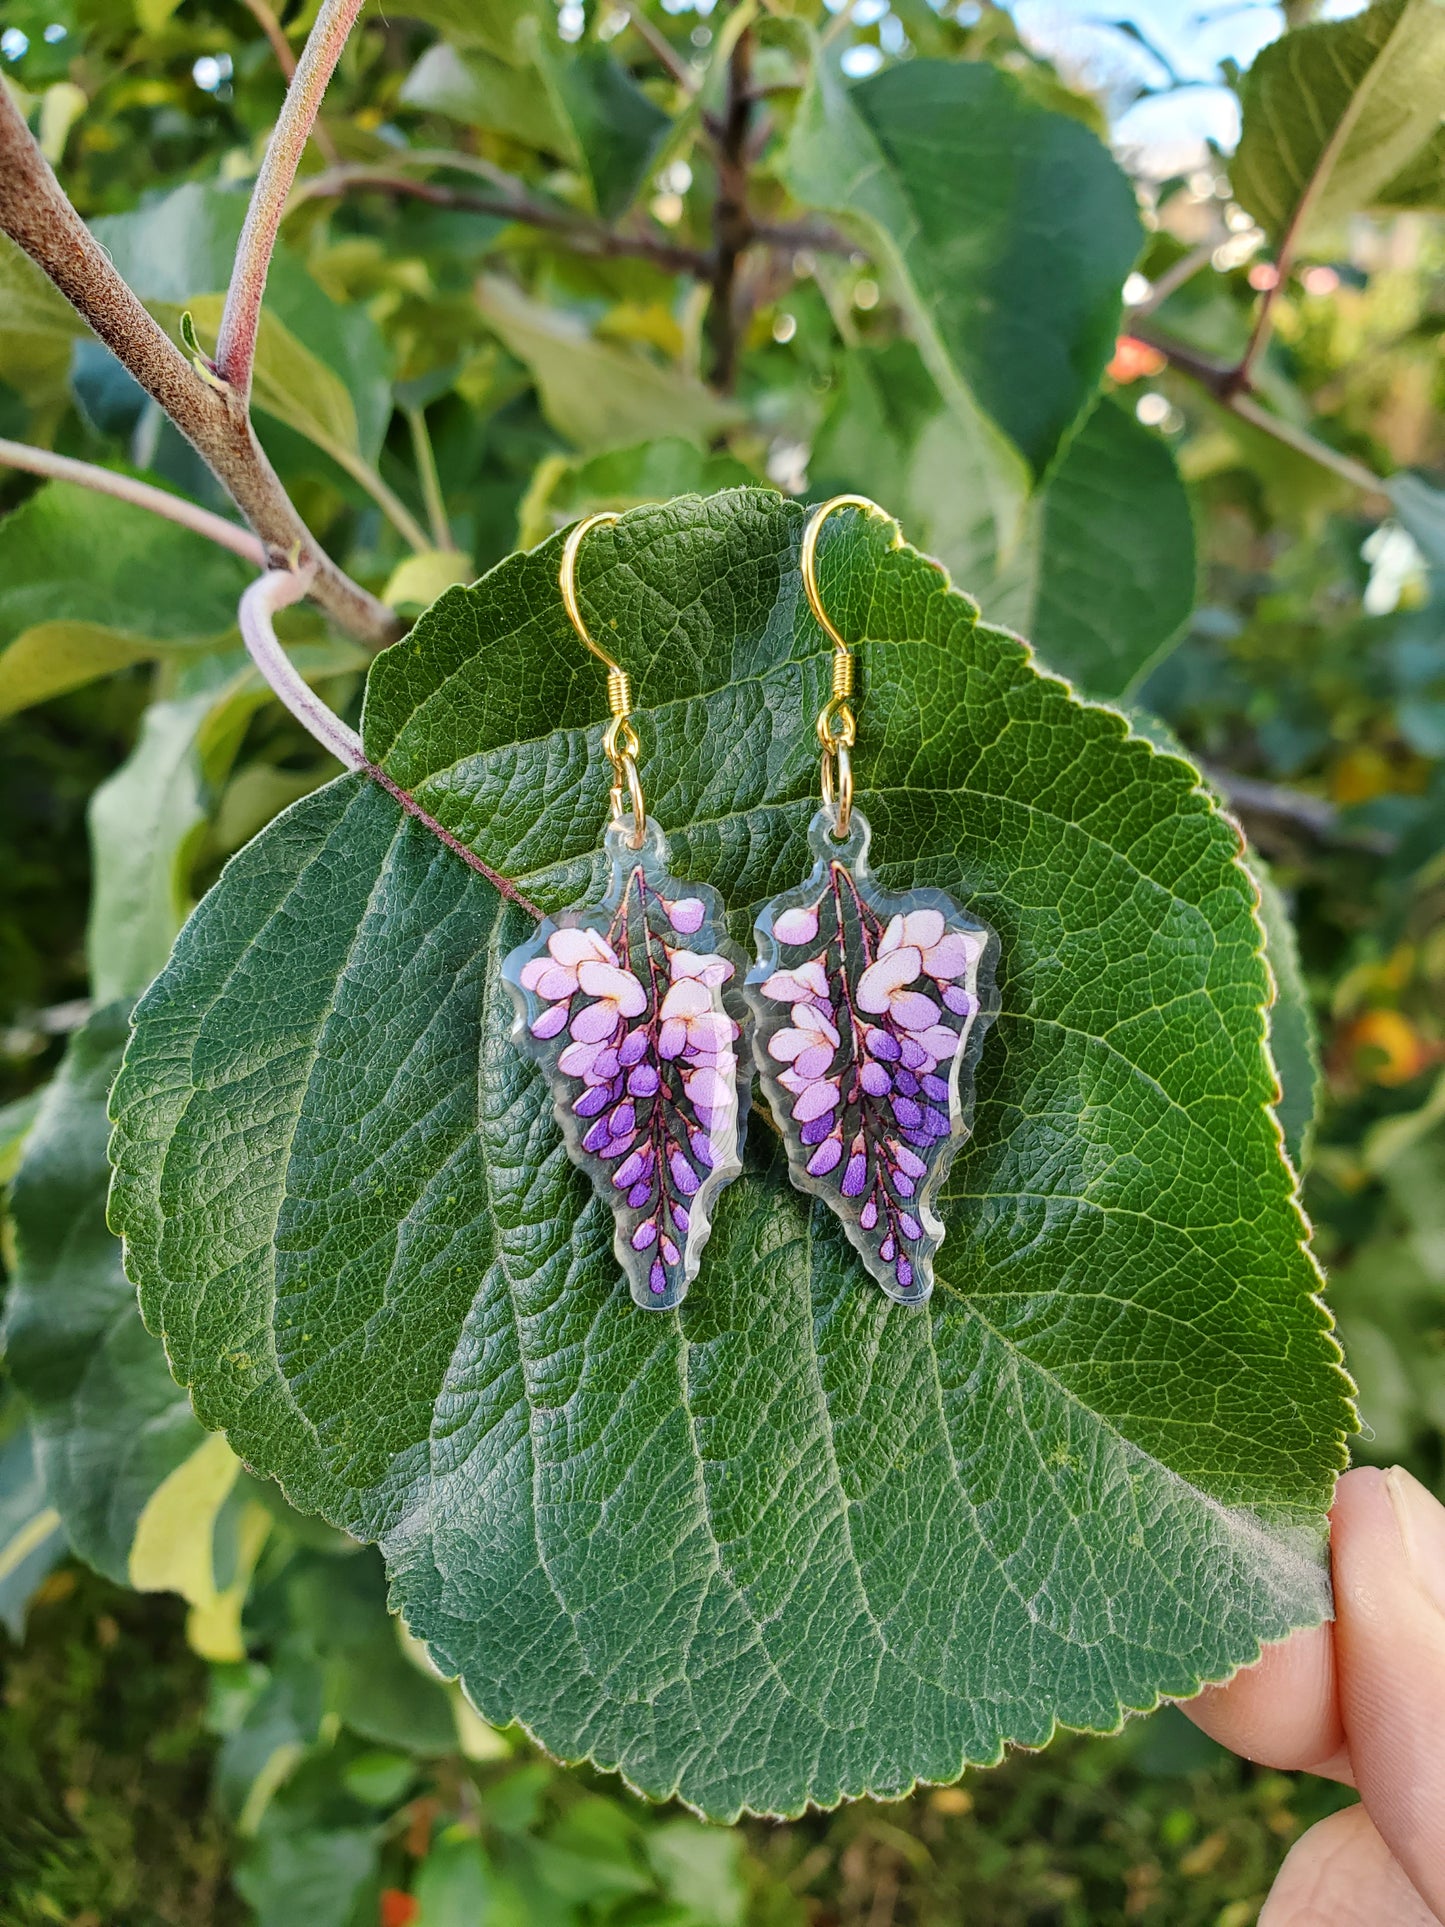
x,y
1282,1712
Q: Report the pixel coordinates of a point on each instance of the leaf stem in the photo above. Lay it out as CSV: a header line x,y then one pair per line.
x,y
431,487
241,319
36,214
125,488
278,589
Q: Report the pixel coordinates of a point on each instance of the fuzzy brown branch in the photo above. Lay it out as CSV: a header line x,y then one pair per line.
x,y
241,319
38,217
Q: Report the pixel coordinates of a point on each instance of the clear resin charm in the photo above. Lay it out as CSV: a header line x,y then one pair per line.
x,y
869,1012
632,1008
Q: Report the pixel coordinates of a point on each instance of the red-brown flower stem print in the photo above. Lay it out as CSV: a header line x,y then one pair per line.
x,y
869,1012
626,1007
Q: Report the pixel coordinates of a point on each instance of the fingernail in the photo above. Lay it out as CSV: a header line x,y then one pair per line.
x,y
1421,1522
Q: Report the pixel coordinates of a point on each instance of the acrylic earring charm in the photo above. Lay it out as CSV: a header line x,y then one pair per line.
x,y
869,1012
632,1008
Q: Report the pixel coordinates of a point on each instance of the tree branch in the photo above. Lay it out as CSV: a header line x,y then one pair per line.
x,y
36,215
1220,379
1318,818
732,223
286,61
241,319
141,495
278,590
510,204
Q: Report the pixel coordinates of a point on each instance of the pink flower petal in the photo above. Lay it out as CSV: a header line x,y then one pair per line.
x,y
806,984
923,928
672,1039
552,1020
797,926
618,986
577,1059
577,946
708,1089
686,998
949,958
686,915
816,1061
887,975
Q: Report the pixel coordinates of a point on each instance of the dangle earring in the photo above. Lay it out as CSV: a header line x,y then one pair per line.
x,y
869,1011
633,1011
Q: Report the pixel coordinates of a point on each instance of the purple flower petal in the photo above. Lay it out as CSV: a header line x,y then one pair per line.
x,y
874,1079
856,1176
700,1144
935,1123
645,1234
683,1175
595,1098
959,1001
640,1194
599,1137
887,1249
905,1273
680,1217
633,1046
909,1114
905,1081
935,1088
643,1080
670,1250
906,1161
624,1120
881,1043
909,1225
657,1277
815,1132
868,1216
826,1157
550,1022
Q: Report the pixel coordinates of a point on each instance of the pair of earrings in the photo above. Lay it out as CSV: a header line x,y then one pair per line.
x,y
867,1011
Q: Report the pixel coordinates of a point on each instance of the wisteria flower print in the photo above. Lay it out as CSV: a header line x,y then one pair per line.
x,y
869,1012
633,1011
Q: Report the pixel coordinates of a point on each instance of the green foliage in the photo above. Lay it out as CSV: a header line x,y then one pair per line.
x,y
344,915
951,172
88,584
108,1420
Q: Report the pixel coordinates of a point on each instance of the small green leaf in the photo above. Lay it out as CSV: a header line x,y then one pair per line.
x,y
110,1426
480,90
564,491
32,1539
596,395
88,584
1006,229
790,1544
37,327
1334,110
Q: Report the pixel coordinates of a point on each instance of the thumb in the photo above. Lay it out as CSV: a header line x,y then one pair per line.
x,y
1389,1571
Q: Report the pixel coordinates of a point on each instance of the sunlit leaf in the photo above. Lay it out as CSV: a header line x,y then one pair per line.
x,y
1006,229
1335,109
795,1543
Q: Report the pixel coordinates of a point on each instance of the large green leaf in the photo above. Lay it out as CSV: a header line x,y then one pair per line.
x,y
791,1544
32,1539
1333,111
1007,230
109,1423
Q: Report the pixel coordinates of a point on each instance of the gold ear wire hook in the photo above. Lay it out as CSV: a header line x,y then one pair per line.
x,y
619,740
837,725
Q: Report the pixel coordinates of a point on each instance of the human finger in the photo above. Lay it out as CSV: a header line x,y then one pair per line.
x,y
1341,1874
1283,1712
1389,1568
